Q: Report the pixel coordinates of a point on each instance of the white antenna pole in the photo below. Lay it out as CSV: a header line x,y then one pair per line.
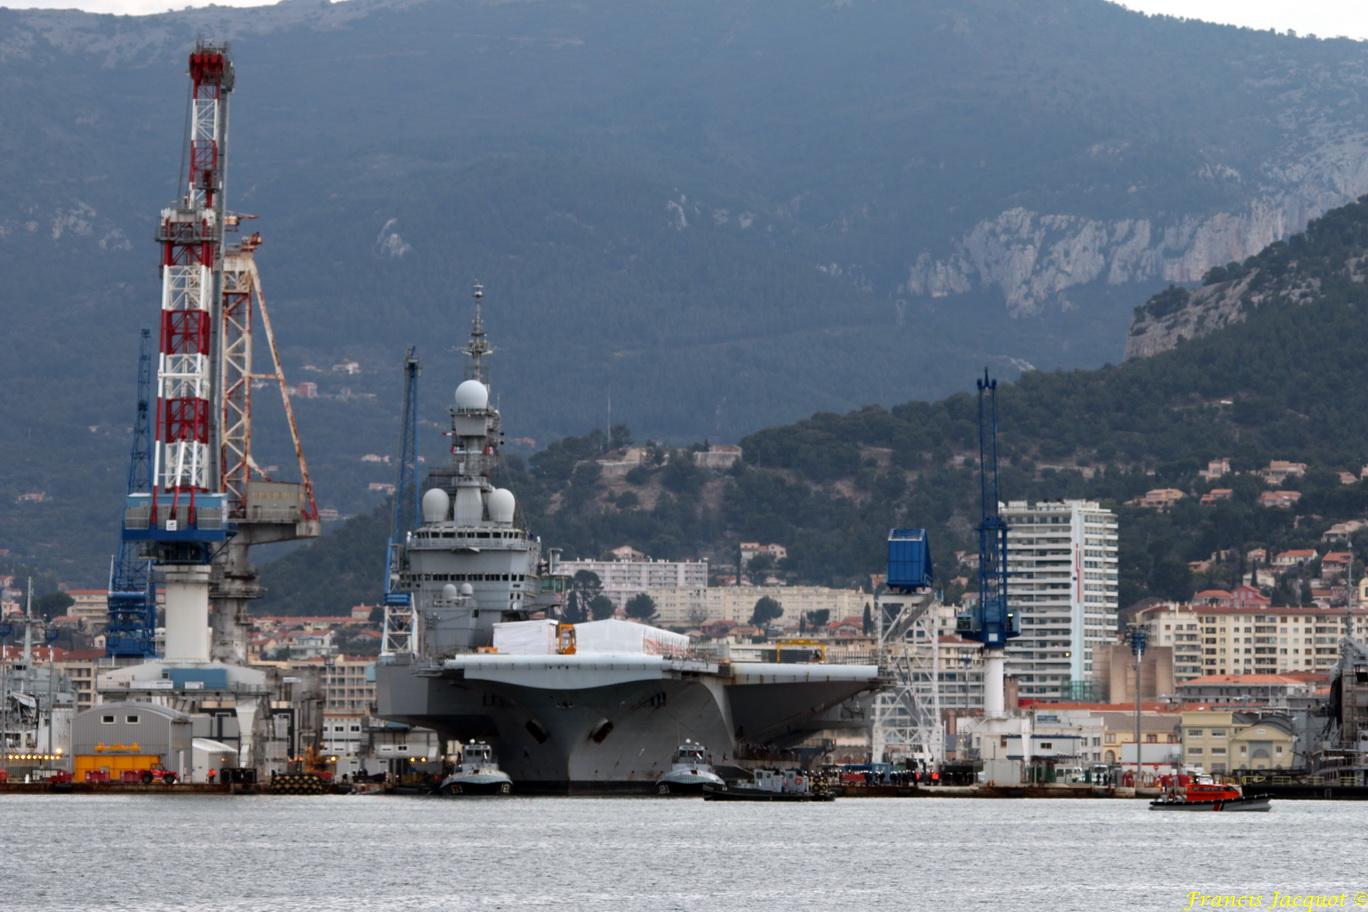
x,y
28,625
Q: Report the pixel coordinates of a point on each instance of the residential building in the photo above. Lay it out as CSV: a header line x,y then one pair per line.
x,y
1176,627
1294,557
1216,495
718,457
1279,500
81,667
692,606
1216,468
620,462
1258,689
750,550
90,606
1219,741
1279,470
622,579
1236,640
1341,531
1062,580
1158,499
1335,563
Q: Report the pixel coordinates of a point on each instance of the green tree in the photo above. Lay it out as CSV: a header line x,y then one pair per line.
x,y
54,604
601,607
760,568
818,619
640,607
585,585
766,610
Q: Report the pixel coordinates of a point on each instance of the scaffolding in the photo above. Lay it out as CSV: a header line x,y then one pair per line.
x,y
907,713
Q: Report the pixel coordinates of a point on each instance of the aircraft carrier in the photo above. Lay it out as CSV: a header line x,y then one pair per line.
x,y
606,719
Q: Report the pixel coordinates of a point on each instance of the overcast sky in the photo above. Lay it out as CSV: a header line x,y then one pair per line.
x,y
1326,18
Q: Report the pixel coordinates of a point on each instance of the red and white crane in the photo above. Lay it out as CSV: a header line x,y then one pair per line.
x,y
209,502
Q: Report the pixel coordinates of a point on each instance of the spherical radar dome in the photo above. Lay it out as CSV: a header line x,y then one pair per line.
x,y
436,505
472,394
501,504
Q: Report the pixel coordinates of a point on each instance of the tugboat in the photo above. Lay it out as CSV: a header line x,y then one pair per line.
x,y
1204,794
690,772
772,785
477,774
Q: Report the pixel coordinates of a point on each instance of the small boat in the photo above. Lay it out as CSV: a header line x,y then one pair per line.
x,y
690,773
772,785
476,774
1204,794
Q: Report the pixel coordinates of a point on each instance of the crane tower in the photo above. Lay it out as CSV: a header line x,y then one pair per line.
x,y
132,628
208,502
991,621
401,631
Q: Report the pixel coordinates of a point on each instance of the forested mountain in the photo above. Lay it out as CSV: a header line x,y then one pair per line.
x,y
1289,383
719,215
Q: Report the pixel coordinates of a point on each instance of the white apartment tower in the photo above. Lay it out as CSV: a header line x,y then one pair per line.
x,y
1062,579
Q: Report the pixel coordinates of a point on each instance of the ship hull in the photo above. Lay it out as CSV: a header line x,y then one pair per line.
x,y
599,724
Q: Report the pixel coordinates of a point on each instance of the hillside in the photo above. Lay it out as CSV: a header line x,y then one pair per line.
x,y
1325,261
1287,383
713,200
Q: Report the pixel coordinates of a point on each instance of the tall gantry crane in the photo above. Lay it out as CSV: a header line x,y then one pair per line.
x,y
400,633
208,501
991,621
262,509
183,519
906,720
132,628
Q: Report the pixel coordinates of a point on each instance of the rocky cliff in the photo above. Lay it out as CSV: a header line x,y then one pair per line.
x,y
1036,258
1329,257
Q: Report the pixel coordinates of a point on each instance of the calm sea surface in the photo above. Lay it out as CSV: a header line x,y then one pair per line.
x,y
343,853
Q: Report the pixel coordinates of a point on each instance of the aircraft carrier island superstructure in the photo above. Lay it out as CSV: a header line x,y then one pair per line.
x,y
473,650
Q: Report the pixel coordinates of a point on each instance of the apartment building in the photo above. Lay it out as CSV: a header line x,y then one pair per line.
x,y
692,606
1062,579
1230,639
623,579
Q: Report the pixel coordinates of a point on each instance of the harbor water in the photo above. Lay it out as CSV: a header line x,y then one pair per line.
x,y
371,853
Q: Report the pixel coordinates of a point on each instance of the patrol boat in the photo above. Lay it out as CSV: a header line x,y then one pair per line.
x,y
476,774
691,771
603,716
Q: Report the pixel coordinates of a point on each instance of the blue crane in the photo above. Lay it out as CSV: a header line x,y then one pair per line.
x,y
990,622
406,499
132,627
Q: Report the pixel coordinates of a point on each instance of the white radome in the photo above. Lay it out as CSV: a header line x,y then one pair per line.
x,y
472,394
501,504
436,505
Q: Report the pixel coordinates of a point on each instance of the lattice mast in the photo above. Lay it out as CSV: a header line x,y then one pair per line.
x,y
400,632
191,238
132,628
991,621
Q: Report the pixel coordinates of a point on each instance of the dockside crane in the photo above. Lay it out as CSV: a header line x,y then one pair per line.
x,y
183,519
207,502
991,621
132,628
399,636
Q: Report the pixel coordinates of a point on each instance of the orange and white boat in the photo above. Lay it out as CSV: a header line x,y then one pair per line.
x,y
1202,793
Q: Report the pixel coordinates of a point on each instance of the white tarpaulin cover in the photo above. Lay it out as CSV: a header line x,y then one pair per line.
x,y
614,637
525,638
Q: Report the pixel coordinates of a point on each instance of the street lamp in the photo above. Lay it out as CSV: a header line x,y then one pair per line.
x,y
1137,635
